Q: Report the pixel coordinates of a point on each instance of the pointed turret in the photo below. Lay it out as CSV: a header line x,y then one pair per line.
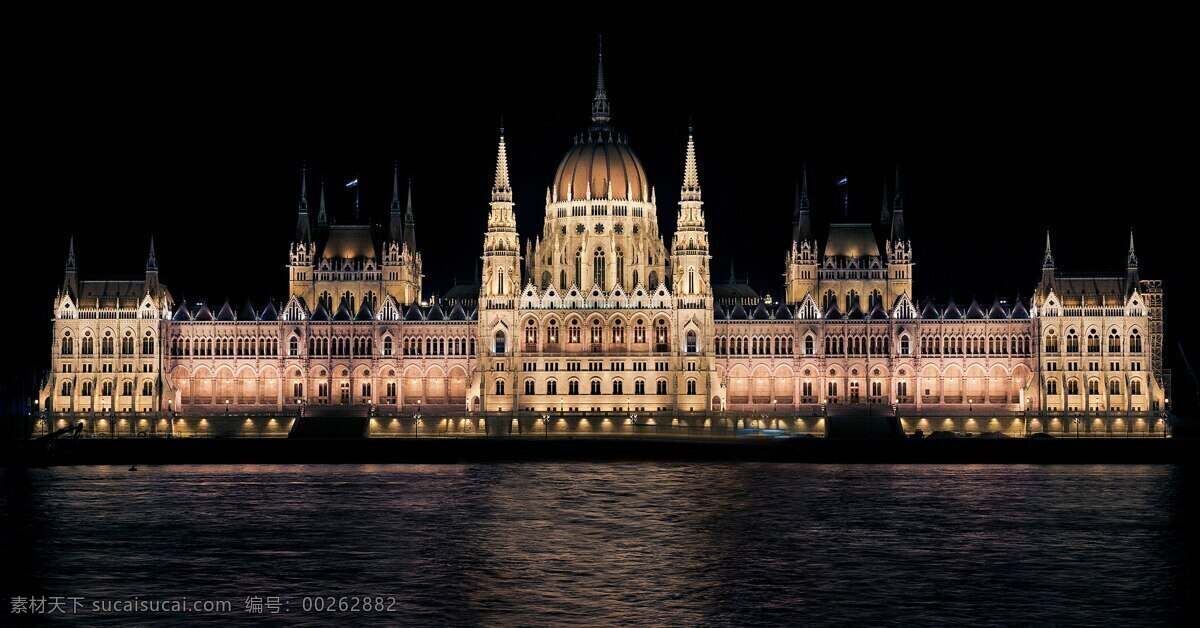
x,y
885,214
410,221
395,218
1047,283
898,231
151,270
303,229
801,218
501,244
1131,267
689,248
71,278
601,113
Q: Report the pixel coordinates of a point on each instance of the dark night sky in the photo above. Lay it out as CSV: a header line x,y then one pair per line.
x,y
996,145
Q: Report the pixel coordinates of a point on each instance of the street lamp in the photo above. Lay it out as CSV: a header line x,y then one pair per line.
x,y
416,422
226,407
773,406
546,423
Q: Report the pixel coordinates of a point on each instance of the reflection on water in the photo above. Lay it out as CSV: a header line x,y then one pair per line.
x,y
677,544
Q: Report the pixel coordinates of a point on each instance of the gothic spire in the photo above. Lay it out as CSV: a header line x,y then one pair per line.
x,y
71,254
1048,260
898,232
1131,268
410,222
152,261
691,178
395,220
501,189
601,113
801,221
322,218
303,231
884,214
1131,260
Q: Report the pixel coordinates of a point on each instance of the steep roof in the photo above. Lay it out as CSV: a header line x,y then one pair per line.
x,y
851,240
349,241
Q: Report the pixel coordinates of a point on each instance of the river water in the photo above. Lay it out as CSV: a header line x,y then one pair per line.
x,y
606,544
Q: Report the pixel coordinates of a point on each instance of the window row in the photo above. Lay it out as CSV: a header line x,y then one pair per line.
x,y
87,344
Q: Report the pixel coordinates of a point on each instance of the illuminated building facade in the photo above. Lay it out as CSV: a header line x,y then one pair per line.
x,y
597,316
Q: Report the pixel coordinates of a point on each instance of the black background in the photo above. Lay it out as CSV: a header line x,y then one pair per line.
x,y
1000,134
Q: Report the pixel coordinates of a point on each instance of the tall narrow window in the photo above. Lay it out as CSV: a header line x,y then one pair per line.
x,y
620,279
500,343
578,268
691,280
598,268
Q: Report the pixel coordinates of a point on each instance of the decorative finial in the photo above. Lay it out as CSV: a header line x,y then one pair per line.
x,y
71,254
691,177
1048,260
1132,261
501,190
152,261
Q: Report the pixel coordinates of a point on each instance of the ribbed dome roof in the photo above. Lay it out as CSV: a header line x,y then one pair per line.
x,y
599,160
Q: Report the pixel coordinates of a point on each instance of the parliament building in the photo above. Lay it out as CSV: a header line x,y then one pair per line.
x,y
600,320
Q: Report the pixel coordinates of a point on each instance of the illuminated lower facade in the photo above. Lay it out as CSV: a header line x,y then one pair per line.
x,y
596,320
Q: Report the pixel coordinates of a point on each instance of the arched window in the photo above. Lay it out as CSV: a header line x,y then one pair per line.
x,y
635,278
809,349
573,387
691,280
148,343
551,387
86,347
562,279
618,387
691,387
639,331
903,345
529,387
387,345
620,279
1051,342
552,333
68,344
691,342
574,334
1135,342
106,344
1072,387
106,388
127,343
531,335
578,268
499,387
618,332
85,389
828,300
1052,387
660,336
1093,342
294,346
500,343
597,335
653,280
660,387
499,281
1114,342
1114,387
1135,387
147,388
66,387
126,389
1093,387
595,387
1072,341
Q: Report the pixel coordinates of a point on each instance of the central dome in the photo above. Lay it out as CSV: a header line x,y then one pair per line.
x,y
599,161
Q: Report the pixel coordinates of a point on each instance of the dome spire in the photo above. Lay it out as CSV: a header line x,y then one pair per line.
x,y
601,113
303,231
801,220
